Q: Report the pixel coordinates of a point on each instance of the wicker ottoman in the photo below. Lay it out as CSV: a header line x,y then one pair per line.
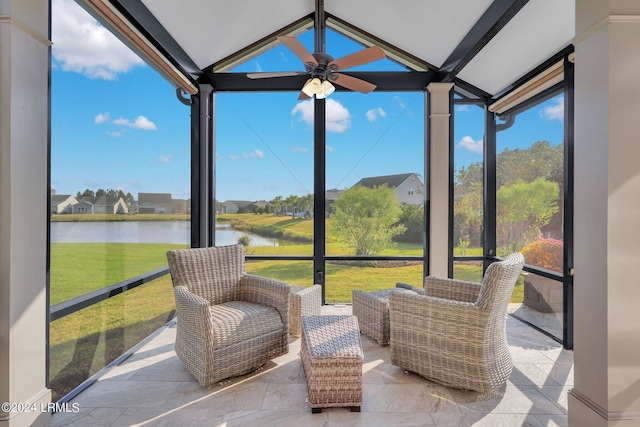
x,y
332,356
305,301
372,311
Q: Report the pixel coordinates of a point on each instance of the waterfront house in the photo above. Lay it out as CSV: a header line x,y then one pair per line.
x,y
409,187
62,203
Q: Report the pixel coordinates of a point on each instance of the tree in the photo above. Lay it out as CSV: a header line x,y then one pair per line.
x,y
467,214
292,201
367,218
412,218
277,205
86,193
522,209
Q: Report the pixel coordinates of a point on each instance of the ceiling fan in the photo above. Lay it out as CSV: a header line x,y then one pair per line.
x,y
323,70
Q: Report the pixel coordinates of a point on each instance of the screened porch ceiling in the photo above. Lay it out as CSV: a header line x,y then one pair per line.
x,y
486,47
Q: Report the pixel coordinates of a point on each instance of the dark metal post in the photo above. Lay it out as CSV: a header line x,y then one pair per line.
x,y
319,212
201,140
567,258
489,188
320,27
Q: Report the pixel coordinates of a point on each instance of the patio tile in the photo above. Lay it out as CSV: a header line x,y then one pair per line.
x,y
87,417
171,369
286,397
132,394
514,399
153,387
561,372
405,398
501,420
344,418
530,374
161,417
553,420
557,394
239,396
272,418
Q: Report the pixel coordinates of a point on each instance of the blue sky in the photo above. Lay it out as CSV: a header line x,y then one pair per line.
x,y
117,124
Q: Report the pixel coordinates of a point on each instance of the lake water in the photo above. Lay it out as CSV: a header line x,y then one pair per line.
x,y
176,232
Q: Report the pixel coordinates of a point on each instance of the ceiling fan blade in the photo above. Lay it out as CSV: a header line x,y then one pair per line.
x,y
298,49
274,74
352,83
364,56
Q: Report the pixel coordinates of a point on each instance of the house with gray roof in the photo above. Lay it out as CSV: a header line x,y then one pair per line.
x,y
62,203
100,205
408,186
158,203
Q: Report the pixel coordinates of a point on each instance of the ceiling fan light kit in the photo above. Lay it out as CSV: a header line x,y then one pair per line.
x,y
321,89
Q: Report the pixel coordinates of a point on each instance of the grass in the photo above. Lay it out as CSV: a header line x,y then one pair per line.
x,y
79,268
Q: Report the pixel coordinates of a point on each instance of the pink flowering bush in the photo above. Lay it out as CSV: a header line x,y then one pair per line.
x,y
544,253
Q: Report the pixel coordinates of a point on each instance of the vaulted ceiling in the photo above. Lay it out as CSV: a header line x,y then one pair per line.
x,y
484,45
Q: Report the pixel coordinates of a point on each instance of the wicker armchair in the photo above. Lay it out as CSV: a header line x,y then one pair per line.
x,y
228,322
455,334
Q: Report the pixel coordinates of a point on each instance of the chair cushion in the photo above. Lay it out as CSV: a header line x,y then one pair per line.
x,y
237,321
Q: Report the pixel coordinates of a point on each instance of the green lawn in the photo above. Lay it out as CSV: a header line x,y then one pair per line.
x,y
79,268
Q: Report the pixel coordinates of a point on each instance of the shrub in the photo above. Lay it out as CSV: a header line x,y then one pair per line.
x,y
544,253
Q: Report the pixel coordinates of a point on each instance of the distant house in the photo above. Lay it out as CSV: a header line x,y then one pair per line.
x,y
158,203
100,205
62,203
181,206
235,206
409,187
330,196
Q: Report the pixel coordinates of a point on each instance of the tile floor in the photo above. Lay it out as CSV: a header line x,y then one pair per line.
x,y
152,388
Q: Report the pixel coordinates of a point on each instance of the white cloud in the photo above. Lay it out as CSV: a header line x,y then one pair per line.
x,y
338,118
305,108
115,133
471,144
554,112
101,118
330,148
462,108
82,45
251,155
165,158
399,101
300,149
141,122
373,115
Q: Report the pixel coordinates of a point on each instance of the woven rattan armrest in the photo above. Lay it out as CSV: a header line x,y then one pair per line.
x,y
401,285
436,312
451,289
265,291
194,317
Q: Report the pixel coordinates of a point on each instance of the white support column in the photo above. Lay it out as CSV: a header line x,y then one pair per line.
x,y
607,215
24,116
439,179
